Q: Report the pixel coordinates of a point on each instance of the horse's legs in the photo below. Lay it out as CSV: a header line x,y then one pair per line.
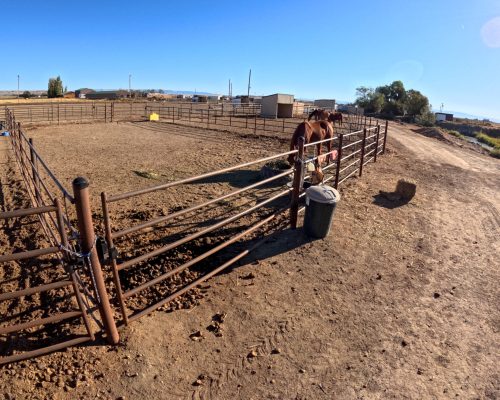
x,y
318,146
329,158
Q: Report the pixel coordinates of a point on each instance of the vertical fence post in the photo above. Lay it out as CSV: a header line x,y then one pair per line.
x,y
246,120
105,112
363,143
339,161
385,136
173,115
112,110
109,239
376,143
87,240
34,172
283,128
255,124
297,181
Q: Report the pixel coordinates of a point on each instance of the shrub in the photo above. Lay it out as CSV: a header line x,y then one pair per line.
x,y
427,118
457,134
490,141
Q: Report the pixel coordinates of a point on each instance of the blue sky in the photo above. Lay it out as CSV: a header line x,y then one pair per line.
x,y
447,49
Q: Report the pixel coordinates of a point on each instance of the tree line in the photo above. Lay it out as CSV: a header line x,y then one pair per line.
x,y
394,100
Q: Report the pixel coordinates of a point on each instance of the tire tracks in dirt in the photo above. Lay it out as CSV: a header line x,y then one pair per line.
x,y
237,370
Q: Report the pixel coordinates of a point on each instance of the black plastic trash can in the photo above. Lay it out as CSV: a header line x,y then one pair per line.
x,y
321,201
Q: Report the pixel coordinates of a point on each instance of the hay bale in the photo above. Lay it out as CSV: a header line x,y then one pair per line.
x,y
406,188
273,168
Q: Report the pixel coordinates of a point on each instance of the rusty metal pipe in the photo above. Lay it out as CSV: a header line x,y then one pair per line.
x,y
188,264
194,178
195,235
196,282
33,290
109,239
40,321
321,141
166,218
27,211
45,350
28,254
87,240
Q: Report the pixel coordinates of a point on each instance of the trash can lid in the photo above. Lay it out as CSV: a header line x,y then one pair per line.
x,y
323,194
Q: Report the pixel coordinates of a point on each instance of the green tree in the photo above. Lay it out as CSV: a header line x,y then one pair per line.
x,y
363,94
394,95
26,94
55,88
416,103
377,102
369,99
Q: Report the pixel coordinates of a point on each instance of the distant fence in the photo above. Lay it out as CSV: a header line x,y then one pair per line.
x,y
355,149
206,115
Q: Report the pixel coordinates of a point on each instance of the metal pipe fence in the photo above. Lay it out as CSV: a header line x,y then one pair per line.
x,y
66,281
357,142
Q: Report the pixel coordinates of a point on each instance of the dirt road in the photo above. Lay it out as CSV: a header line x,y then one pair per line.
x,y
401,301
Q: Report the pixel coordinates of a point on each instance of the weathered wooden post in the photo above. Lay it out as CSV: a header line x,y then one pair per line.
x,y
87,242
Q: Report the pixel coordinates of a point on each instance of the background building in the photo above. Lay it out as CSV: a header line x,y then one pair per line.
x,y
277,106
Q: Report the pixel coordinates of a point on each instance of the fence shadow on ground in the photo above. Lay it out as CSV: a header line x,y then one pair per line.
x,y
278,242
241,179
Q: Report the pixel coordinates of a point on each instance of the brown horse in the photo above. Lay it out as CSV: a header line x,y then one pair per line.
x,y
335,116
312,132
319,115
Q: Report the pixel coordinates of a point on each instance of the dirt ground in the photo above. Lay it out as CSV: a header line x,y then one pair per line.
x,y
400,301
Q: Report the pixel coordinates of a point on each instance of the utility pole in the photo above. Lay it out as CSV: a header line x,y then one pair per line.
x,y
249,78
229,89
18,88
129,85
441,108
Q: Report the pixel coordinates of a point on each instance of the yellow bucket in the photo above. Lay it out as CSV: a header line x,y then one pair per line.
x,y
154,117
